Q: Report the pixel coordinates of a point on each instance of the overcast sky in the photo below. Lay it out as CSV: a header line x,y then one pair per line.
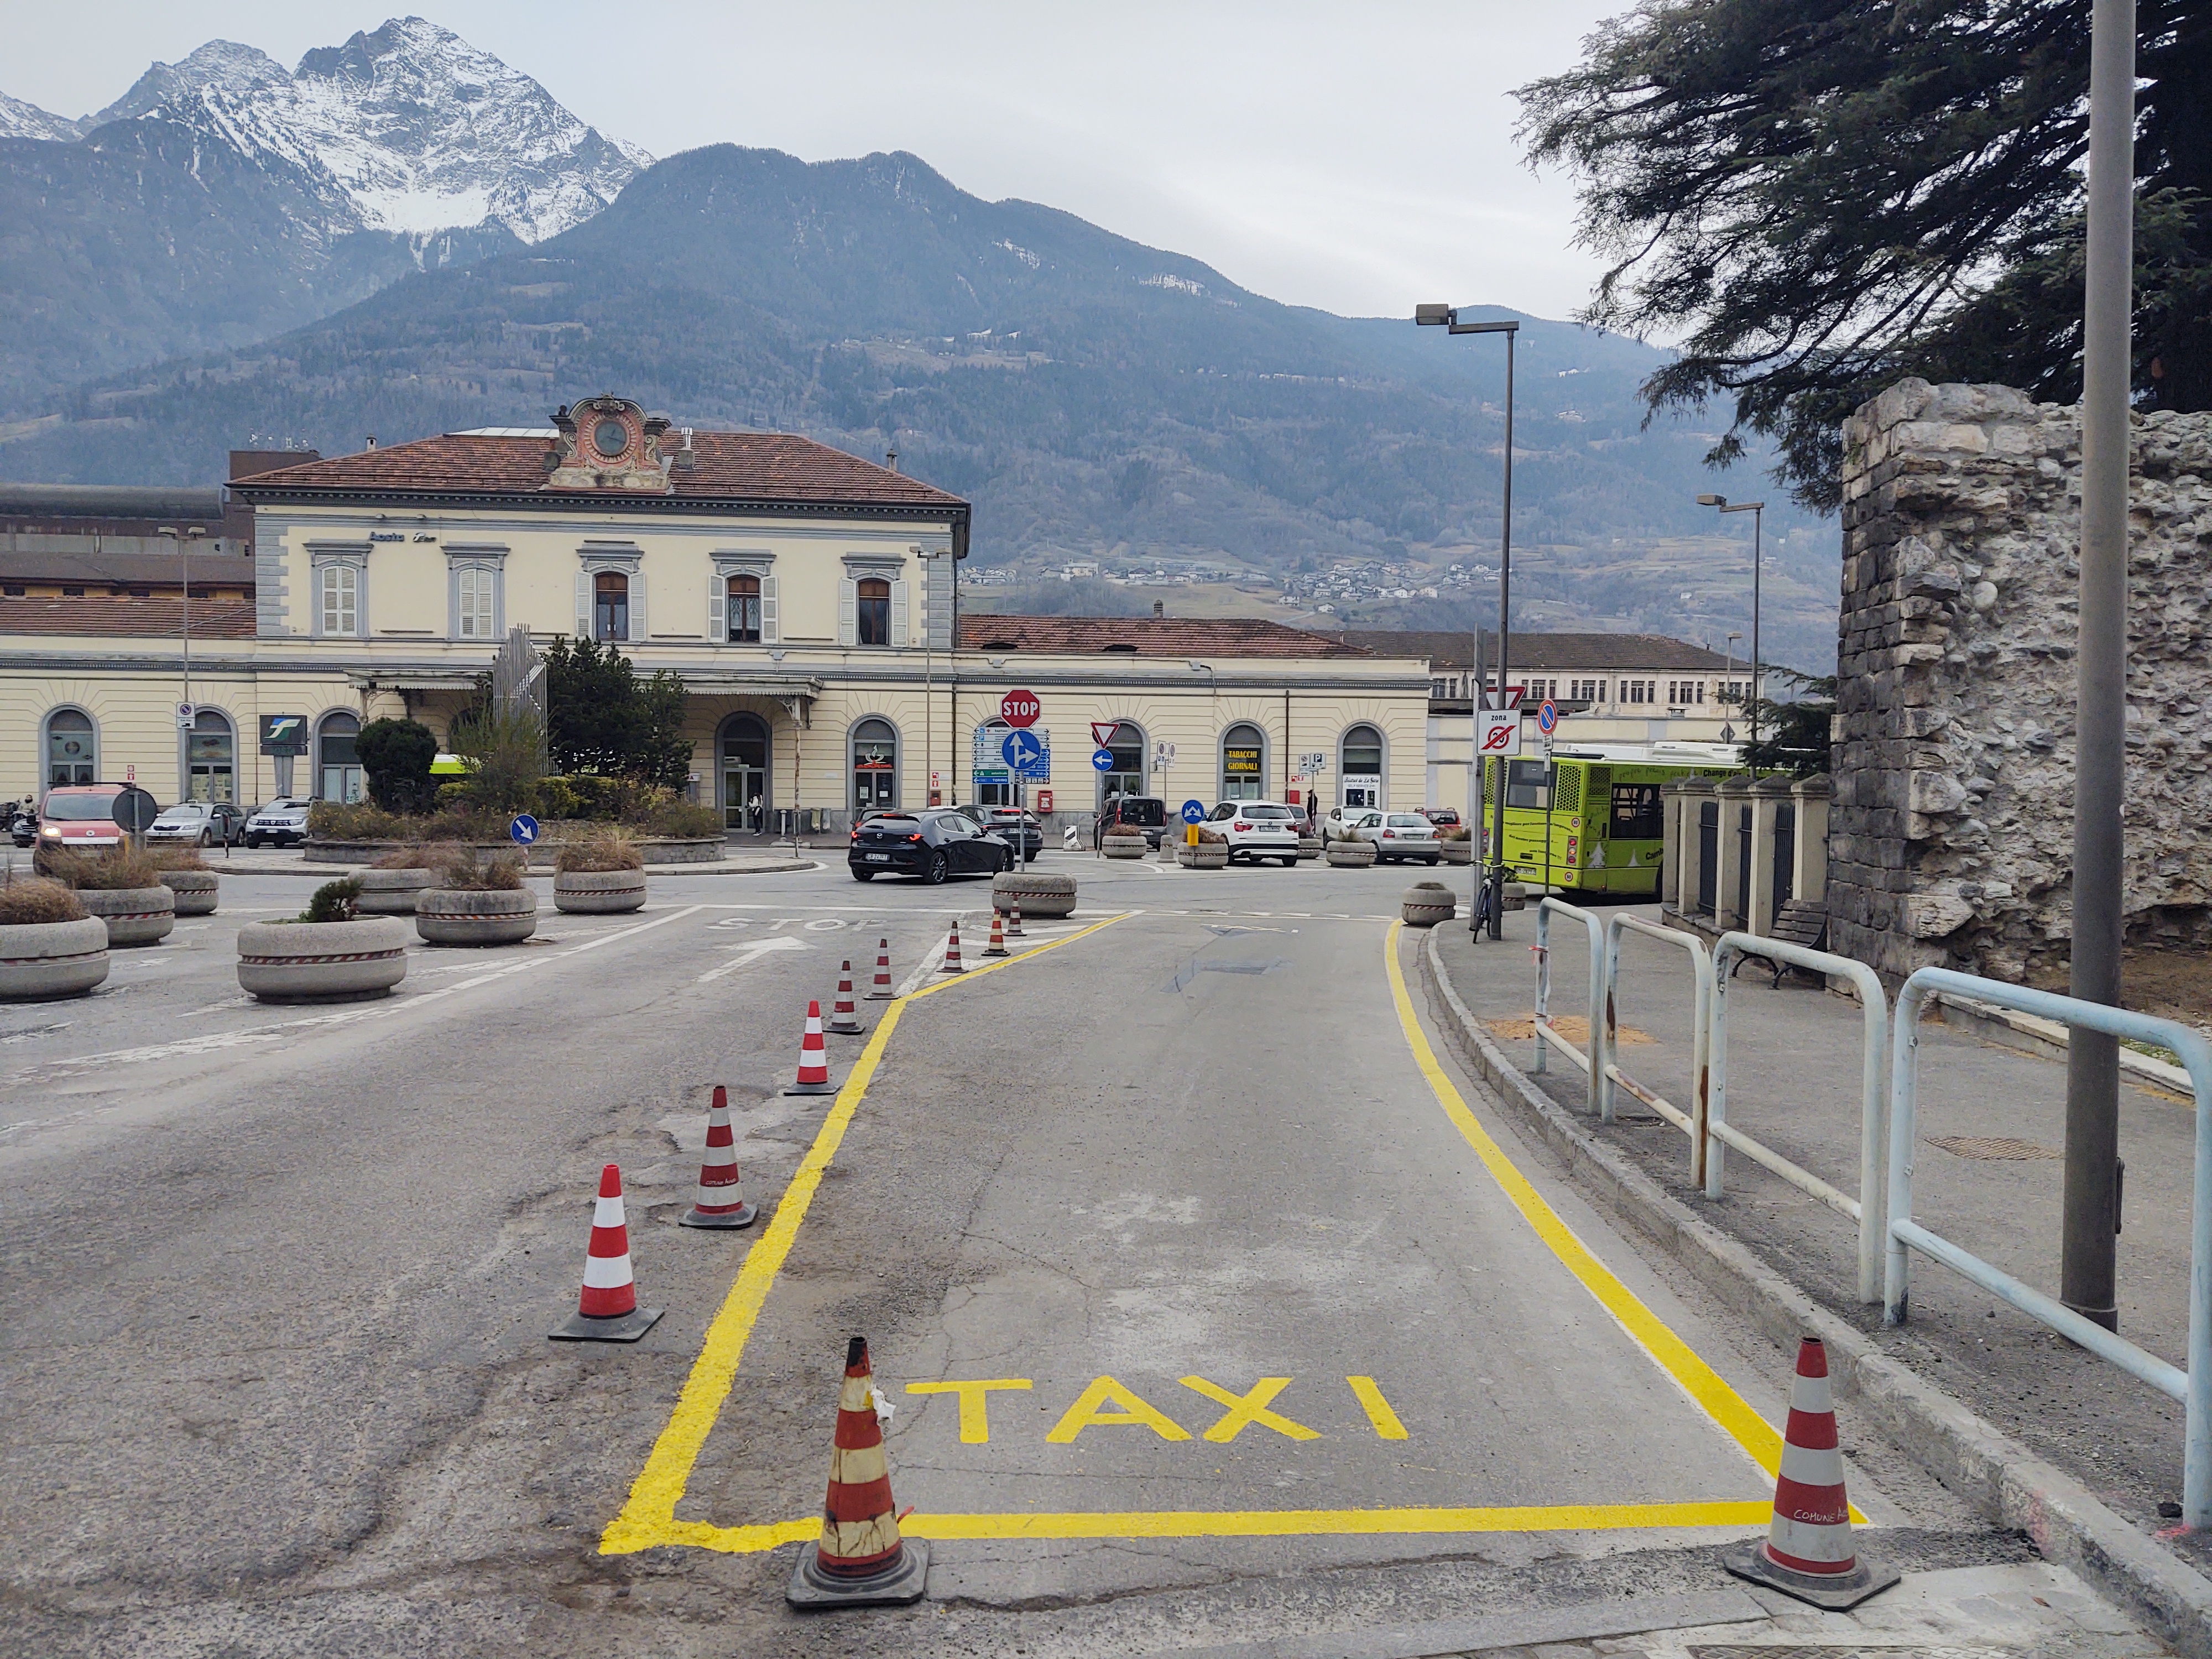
x,y
1357,157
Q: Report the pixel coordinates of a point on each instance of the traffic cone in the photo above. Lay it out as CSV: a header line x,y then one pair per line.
x,y
1809,1551
953,962
1014,919
881,990
721,1200
608,1311
844,1017
861,1561
813,1058
997,947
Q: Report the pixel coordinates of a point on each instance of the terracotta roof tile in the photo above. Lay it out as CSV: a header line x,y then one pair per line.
x,y
772,466
1149,637
1635,652
157,616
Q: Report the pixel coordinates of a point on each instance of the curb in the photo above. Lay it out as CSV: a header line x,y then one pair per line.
x,y
2009,1485
340,872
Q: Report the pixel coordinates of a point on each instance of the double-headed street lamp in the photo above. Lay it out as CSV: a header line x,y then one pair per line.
x,y
182,539
1446,317
1757,509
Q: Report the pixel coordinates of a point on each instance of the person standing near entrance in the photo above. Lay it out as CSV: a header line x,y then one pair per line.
x,y
753,814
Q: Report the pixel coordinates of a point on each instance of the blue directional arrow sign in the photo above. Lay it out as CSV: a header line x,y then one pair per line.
x,y
1101,760
1193,812
523,828
1026,753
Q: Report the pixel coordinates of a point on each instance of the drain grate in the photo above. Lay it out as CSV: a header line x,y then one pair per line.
x,y
1996,1149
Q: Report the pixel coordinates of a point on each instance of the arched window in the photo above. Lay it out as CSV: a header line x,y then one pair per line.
x,y
873,615
746,774
72,748
1360,764
611,606
337,763
1244,762
1126,776
875,764
744,611
211,758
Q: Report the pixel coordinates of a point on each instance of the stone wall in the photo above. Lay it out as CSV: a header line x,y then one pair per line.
x,y
1951,835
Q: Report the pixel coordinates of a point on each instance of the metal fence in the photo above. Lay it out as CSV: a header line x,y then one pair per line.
x,y
1592,1051
1692,1122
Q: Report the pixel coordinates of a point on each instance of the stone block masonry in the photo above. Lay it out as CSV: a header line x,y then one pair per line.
x,y
1951,840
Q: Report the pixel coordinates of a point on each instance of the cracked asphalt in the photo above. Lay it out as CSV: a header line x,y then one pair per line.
x,y
278,1282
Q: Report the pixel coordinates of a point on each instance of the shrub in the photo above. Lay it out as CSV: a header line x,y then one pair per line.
x,y
37,900
99,873
396,755
506,747
1454,832
495,875
175,858
610,848
557,799
423,855
335,821
681,817
334,901
1210,837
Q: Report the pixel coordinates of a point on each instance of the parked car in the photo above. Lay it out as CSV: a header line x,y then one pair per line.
x,y
80,817
1148,813
1019,828
202,823
1258,829
1344,823
1399,836
283,822
934,843
1445,818
23,825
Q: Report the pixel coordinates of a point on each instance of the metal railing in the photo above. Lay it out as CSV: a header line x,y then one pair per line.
x,y
1692,1122
1592,1053
1868,1208
2192,1386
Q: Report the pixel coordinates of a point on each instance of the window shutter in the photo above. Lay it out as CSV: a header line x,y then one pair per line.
x,y
718,597
898,613
584,604
771,630
848,603
637,628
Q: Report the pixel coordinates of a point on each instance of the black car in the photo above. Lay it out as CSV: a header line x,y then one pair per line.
x,y
932,844
23,824
1147,812
1016,827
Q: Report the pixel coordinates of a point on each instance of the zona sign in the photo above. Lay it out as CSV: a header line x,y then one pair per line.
x,y
1020,708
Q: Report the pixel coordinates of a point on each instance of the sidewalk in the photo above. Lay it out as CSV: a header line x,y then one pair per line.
x,y
1793,1084
291,861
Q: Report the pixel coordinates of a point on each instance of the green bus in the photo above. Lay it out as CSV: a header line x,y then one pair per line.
x,y
1587,824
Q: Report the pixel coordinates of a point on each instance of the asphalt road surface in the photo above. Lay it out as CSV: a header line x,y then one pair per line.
x,y
1282,1326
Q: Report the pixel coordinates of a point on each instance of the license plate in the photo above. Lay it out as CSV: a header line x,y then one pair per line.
x,y
878,858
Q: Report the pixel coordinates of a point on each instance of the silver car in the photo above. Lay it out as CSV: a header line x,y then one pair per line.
x,y
283,822
1399,836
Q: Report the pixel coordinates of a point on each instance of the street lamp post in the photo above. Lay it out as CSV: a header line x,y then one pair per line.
x,y
1446,317
928,674
1758,511
183,539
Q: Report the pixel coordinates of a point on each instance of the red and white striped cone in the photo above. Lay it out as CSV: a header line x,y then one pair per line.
x,y
1809,1551
881,990
813,1058
953,962
1014,919
997,947
861,1561
721,1199
844,1017
607,1311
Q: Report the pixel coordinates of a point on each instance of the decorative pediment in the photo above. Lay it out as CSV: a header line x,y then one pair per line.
x,y
608,443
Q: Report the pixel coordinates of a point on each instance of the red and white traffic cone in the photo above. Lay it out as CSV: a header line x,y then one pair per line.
x,y
953,962
721,1199
844,1017
861,1561
607,1311
881,990
813,1058
997,947
1014,919
1809,1551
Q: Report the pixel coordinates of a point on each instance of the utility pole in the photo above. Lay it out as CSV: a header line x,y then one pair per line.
x,y
2093,1059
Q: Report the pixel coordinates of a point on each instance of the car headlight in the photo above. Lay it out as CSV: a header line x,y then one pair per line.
x,y
50,830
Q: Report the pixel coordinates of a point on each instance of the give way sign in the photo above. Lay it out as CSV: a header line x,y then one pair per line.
x,y
1501,732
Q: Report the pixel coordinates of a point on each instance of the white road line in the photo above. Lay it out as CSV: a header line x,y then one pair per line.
x,y
925,969
750,952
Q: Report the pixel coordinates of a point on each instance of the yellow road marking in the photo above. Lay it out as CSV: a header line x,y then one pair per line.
x,y
649,1517
975,1404
1673,1356
1387,1425
1249,1408
1086,1413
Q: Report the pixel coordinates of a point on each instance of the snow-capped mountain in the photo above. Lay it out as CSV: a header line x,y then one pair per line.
x,y
408,128
20,120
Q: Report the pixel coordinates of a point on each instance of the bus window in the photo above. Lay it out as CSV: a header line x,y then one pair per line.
x,y
1528,784
1637,814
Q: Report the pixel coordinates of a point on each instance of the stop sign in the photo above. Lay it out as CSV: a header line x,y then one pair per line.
x,y
1020,708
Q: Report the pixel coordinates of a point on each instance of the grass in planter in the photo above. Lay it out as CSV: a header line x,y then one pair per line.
x,y
496,875
334,901
97,872
37,900
165,858
430,855
610,848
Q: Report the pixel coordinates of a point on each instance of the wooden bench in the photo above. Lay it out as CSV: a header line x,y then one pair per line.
x,y
1799,922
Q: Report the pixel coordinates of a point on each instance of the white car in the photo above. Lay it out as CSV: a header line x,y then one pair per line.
x,y
1258,829
283,822
1400,835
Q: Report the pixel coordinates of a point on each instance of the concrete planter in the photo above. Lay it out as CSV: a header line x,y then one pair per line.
x,y
195,890
1456,852
1350,854
134,916
310,961
1516,896
1425,903
1039,895
1310,847
597,891
43,959
1125,847
393,892
1206,855
445,916
688,849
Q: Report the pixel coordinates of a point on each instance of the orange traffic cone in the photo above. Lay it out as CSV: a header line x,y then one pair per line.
x,y
861,1560
608,1311
953,962
844,1017
1809,1551
997,947
721,1199
1014,919
881,990
813,1058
